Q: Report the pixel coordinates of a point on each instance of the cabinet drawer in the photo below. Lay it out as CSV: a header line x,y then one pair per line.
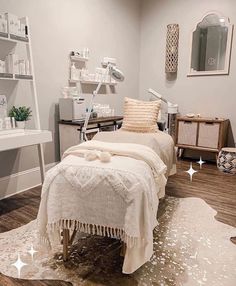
x,y
187,133
209,135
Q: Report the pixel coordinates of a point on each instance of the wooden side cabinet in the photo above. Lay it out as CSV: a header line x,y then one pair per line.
x,y
205,134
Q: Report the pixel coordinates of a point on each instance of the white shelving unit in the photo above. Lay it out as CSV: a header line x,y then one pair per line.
x,y
21,138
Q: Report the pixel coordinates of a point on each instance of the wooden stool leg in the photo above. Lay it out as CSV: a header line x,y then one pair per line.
x,y
123,249
65,244
180,153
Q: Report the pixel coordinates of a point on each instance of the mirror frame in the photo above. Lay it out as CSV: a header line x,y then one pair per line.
x,y
225,71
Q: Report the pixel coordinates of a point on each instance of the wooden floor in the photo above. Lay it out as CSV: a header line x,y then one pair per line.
x,y
216,188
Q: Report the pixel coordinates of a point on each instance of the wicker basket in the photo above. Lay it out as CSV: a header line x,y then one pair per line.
x,y
226,161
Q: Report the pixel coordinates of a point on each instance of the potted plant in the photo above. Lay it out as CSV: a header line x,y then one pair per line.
x,y
21,115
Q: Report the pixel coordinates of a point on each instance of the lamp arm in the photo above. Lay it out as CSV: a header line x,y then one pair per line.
x,y
157,95
88,113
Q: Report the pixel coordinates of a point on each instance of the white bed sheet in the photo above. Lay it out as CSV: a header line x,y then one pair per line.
x,y
160,142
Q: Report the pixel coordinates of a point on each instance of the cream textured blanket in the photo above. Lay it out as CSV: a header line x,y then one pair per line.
x,y
117,199
135,151
160,142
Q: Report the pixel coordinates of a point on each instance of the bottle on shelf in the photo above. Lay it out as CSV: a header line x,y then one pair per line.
x,y
85,53
74,72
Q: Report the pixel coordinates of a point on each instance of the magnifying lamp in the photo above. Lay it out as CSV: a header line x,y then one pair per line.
x,y
117,75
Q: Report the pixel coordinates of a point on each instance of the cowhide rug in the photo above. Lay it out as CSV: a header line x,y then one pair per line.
x,y
190,248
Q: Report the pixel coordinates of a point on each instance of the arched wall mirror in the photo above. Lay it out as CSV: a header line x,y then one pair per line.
x,y
211,46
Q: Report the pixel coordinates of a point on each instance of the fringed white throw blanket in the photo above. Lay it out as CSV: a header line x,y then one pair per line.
x,y
118,198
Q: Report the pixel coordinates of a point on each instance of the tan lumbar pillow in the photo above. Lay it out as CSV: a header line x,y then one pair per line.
x,y
140,116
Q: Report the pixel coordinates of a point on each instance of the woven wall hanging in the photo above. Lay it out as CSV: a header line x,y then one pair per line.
x,y
172,43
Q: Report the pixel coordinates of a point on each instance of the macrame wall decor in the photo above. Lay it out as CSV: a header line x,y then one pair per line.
x,y
172,42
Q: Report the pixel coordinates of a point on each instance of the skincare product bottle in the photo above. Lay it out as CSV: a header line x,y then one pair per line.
x,y
84,53
73,73
84,74
78,74
13,122
27,67
7,122
87,53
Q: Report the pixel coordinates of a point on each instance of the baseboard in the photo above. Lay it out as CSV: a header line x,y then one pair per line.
x,y
20,182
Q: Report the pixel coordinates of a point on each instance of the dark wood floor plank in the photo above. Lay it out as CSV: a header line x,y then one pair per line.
x,y
216,188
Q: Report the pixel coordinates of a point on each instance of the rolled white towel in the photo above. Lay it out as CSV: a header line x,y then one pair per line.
x,y
105,157
91,155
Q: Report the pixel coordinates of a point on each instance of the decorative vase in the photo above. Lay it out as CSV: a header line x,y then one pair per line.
x,y
20,124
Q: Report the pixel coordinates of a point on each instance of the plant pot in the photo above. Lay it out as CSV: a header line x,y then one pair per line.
x,y
20,124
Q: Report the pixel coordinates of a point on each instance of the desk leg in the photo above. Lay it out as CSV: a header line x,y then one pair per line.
x,y
41,161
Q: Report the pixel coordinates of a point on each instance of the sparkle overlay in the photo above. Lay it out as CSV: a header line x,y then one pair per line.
x,y
191,172
32,251
19,264
201,162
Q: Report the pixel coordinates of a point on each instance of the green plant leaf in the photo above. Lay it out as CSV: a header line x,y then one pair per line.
x,y
21,113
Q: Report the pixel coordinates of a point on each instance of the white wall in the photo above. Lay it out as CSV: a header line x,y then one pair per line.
x,y
209,95
106,27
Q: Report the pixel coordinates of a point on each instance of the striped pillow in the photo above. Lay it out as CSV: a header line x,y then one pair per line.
x,y
140,116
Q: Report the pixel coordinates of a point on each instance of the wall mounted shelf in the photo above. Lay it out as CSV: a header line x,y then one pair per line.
x,y
18,38
9,76
78,59
23,76
92,82
12,38
6,75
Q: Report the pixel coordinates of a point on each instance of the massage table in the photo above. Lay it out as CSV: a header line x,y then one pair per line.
x,y
117,198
